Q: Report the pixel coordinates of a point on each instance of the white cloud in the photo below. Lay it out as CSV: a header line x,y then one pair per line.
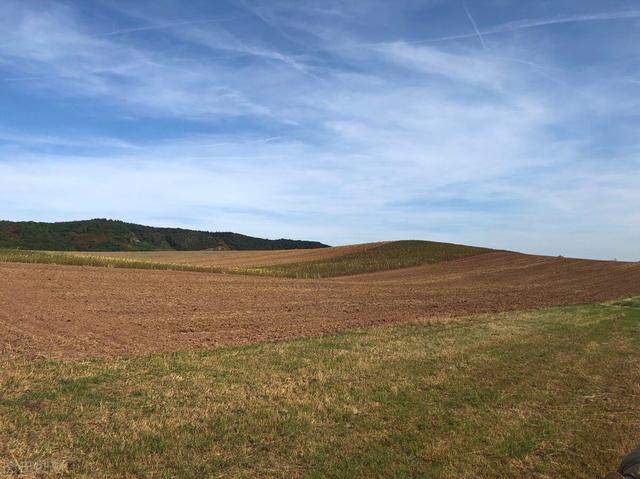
x,y
379,127
52,52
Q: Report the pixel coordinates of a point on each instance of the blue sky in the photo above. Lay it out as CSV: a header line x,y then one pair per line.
x,y
511,124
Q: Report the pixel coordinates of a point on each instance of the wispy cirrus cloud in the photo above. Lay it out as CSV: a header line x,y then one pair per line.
x,y
257,120
54,52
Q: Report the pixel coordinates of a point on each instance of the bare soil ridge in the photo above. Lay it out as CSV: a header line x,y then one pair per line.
x,y
236,259
311,264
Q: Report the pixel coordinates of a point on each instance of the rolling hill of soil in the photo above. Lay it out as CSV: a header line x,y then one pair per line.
x,y
235,259
314,263
69,311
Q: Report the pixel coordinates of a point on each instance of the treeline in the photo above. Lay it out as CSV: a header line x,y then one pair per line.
x,y
112,235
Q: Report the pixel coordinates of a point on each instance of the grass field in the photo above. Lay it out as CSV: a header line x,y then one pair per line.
x,y
386,256
539,394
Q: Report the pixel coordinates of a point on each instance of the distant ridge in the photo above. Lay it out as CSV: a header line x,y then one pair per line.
x,y
112,235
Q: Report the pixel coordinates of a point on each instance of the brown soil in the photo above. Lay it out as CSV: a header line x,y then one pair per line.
x,y
230,259
67,311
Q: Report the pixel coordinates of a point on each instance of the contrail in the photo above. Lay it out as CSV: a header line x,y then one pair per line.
x,y
539,69
537,22
593,17
169,25
475,27
18,79
501,28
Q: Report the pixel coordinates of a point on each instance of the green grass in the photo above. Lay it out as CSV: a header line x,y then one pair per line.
x,y
393,255
629,302
540,394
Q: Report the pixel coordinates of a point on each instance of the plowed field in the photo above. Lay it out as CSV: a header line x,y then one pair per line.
x,y
69,311
234,259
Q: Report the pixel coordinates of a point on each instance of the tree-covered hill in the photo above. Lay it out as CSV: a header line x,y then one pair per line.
x,y
113,235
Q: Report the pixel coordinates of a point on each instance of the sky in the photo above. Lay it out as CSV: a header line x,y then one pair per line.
x,y
504,123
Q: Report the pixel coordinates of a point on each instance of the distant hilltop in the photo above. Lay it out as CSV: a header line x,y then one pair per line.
x,y
112,235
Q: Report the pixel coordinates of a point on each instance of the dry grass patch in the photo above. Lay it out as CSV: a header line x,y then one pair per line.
x,y
71,259
541,394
